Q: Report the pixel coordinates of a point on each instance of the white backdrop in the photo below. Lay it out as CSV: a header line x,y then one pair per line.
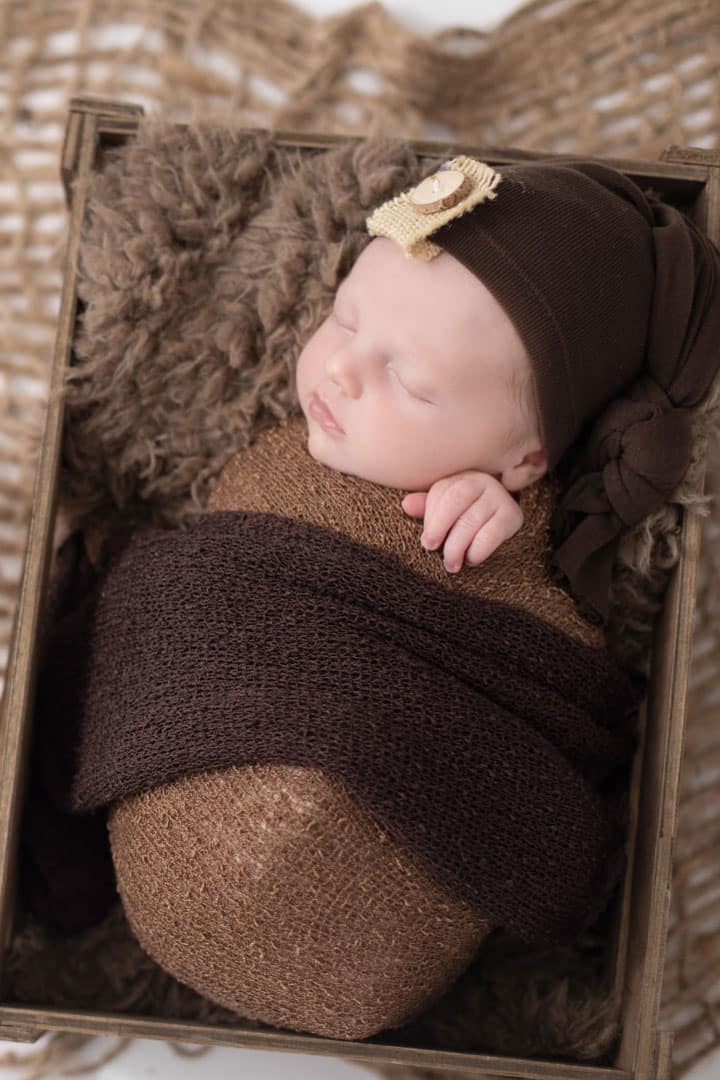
x,y
150,1058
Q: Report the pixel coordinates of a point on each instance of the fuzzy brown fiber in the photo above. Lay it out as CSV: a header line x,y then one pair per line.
x,y
209,257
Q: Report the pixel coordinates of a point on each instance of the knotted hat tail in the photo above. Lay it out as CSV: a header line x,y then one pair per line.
x,y
639,448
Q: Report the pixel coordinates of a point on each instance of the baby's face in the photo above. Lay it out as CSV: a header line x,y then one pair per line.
x,y
413,362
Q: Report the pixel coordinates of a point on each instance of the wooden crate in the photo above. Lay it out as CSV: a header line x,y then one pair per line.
x,y
688,177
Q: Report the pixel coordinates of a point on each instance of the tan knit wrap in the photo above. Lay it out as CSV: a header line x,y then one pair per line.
x,y
265,887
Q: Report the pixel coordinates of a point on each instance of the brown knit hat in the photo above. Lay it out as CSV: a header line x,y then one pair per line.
x,y
616,296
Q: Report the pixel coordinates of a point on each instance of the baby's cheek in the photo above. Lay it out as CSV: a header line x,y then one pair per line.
x,y
311,362
305,365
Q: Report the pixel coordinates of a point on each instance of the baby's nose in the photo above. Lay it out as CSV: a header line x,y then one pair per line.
x,y
344,371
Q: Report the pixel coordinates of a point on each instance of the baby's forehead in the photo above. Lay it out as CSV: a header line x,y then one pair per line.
x,y
384,262
439,295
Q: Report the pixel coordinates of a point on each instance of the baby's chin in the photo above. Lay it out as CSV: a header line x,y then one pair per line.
x,y
326,452
321,445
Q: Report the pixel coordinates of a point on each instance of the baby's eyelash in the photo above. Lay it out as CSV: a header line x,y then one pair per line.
x,y
406,389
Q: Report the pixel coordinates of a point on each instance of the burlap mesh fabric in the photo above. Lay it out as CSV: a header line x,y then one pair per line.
x,y
598,78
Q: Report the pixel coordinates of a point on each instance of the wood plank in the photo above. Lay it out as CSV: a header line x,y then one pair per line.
x,y
692,176
696,155
19,1033
69,155
22,660
666,725
292,1042
663,1062
650,905
96,106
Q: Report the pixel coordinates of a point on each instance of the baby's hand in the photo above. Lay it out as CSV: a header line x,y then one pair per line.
x,y
479,512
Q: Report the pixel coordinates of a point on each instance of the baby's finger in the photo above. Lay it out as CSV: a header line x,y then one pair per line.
x,y
462,536
503,524
447,501
414,503
486,541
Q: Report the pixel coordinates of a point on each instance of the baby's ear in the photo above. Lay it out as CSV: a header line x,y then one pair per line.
x,y
531,468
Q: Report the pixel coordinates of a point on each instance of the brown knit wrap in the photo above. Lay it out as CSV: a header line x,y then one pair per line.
x,y
265,887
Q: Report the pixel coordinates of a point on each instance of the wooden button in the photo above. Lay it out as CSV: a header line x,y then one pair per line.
x,y
440,191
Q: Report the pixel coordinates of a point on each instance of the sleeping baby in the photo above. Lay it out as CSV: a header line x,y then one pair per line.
x,y
331,763
417,379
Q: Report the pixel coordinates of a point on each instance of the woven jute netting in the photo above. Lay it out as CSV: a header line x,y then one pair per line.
x,y
602,77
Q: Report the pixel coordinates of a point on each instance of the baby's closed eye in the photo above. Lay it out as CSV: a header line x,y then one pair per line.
x,y
412,393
